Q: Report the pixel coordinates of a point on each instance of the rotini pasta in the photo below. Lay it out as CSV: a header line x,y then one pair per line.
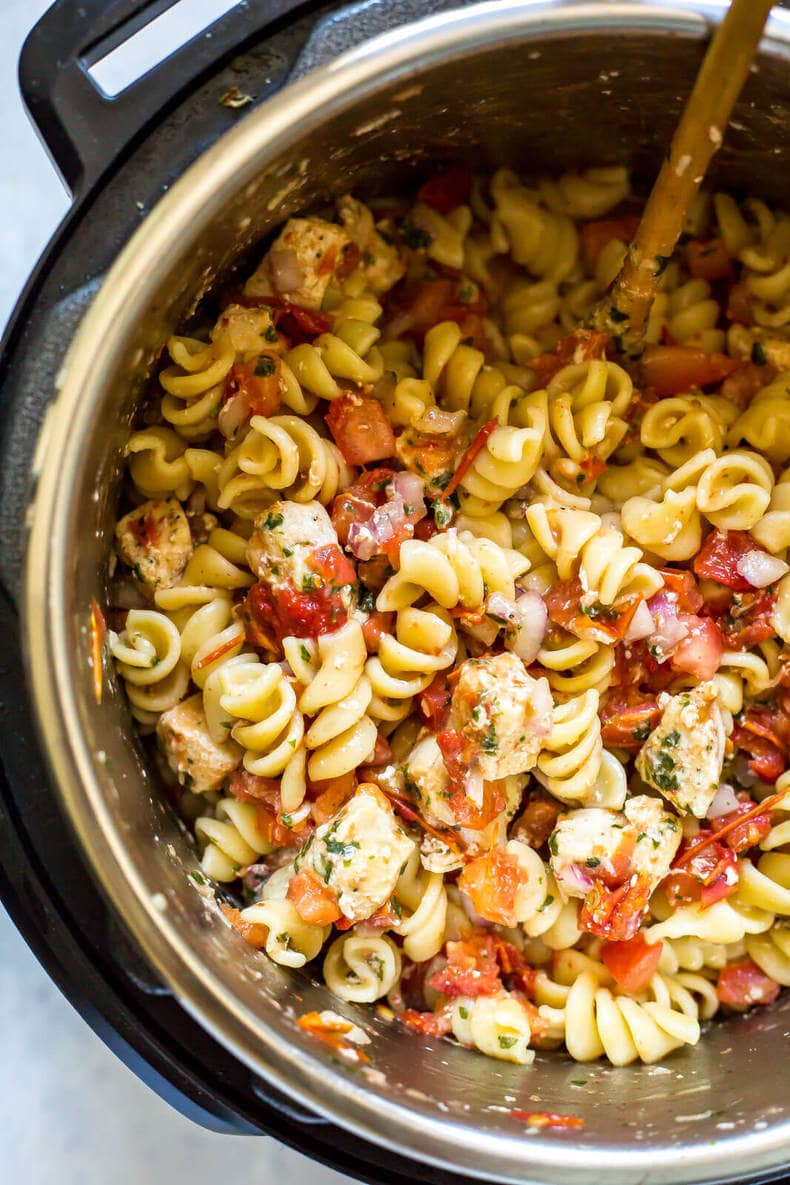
x,y
465,639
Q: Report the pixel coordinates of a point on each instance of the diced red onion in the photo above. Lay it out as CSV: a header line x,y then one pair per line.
x,y
285,272
410,489
473,784
484,631
541,710
761,569
642,624
575,878
725,801
669,631
233,413
361,542
744,775
527,639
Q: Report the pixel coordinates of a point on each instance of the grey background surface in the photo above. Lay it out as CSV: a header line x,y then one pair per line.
x,y
72,1114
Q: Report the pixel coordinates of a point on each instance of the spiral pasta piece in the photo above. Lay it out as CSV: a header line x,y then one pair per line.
x,y
598,1023
734,492
570,764
765,424
194,384
507,461
424,642
681,426
269,727
361,968
232,839
147,655
498,1026
348,353
454,568
158,466
280,457
421,905
545,243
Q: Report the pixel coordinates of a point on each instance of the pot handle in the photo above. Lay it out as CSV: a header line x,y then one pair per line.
x,y
83,129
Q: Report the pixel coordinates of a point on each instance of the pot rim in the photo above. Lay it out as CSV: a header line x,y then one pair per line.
x,y
128,288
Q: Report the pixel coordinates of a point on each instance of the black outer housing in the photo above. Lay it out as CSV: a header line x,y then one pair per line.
x,y
117,157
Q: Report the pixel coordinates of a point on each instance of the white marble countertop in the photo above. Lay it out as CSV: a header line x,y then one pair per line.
x,y
72,1114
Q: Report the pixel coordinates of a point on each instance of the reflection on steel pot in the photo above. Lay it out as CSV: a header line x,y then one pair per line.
x,y
535,85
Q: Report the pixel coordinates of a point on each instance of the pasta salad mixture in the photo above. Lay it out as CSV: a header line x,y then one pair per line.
x,y
464,645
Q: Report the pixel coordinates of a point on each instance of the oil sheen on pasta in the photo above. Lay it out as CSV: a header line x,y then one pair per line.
x,y
456,638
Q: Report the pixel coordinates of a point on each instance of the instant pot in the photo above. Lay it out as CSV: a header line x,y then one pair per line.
x,y
274,109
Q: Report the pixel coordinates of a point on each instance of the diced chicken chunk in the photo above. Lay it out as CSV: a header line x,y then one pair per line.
x,y
284,538
503,712
683,756
381,261
359,854
301,262
592,843
658,836
248,330
156,543
198,762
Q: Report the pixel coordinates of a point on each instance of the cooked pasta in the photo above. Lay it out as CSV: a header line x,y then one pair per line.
x,y
464,638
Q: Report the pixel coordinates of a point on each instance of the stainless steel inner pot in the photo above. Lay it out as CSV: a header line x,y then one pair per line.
x,y
540,86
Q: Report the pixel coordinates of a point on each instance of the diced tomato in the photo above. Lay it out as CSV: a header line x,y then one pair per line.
x,y
426,529
541,1119
598,234
743,985
537,820
583,345
374,573
284,611
615,913
331,1032
739,305
709,875
700,652
592,467
259,381
448,189
312,899
433,704
146,528
719,556
747,834
492,882
332,566
683,584
431,457
633,963
628,718
265,794
376,626
596,622
516,971
708,259
472,968
382,753
330,796
767,758
300,324
468,458
432,1024
741,387
348,508
745,619
360,429
457,753
673,370
254,933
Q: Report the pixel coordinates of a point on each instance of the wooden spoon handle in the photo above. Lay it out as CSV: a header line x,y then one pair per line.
x,y
624,310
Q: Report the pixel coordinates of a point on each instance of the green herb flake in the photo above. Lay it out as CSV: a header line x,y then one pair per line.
x,y
507,1042
265,367
413,235
463,1012
271,334
489,743
305,653
553,844
759,356
273,520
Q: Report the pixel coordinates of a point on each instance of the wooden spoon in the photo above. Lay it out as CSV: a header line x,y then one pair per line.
x,y
624,310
